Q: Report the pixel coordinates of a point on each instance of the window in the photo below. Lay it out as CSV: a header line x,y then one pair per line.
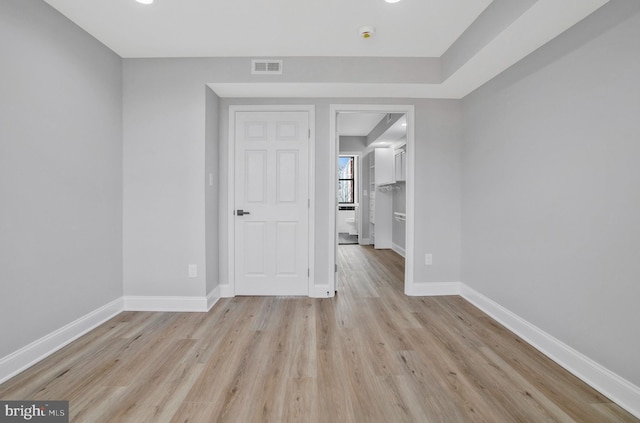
x,y
347,180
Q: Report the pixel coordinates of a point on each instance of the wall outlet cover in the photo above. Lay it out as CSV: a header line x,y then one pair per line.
x,y
193,270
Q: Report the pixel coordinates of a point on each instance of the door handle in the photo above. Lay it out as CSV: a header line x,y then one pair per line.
x,y
241,212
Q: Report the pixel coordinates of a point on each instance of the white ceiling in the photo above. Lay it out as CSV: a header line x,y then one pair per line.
x,y
541,23
329,28
215,28
393,134
358,124
362,123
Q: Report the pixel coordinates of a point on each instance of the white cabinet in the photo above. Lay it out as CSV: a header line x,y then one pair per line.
x,y
383,166
372,191
400,165
381,197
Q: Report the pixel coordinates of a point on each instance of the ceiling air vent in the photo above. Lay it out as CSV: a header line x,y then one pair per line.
x,y
266,67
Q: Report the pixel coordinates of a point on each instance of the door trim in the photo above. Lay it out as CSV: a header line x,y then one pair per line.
x,y
230,289
409,110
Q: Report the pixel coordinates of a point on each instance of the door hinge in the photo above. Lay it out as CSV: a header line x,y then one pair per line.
x,y
309,133
308,203
308,272
336,268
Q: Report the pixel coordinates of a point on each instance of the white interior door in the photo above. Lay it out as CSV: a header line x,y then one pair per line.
x,y
271,222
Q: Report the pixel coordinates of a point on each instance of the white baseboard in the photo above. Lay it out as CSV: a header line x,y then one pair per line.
x,y
614,387
432,289
170,304
29,355
317,291
213,297
398,249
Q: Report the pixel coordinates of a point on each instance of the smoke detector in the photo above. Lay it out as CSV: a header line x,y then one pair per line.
x,y
366,31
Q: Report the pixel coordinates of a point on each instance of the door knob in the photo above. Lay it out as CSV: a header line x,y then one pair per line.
x,y
241,212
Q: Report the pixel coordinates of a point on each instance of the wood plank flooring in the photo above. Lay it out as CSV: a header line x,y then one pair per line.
x,y
369,355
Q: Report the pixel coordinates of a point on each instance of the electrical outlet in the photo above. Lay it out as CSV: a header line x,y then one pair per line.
x,y
193,270
428,259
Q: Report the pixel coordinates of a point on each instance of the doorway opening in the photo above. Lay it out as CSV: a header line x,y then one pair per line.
x,y
373,175
349,180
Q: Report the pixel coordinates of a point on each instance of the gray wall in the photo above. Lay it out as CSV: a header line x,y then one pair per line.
x,y
164,178
551,188
353,144
437,186
60,173
437,182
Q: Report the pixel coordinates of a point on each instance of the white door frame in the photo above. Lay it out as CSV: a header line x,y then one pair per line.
x,y
409,110
231,142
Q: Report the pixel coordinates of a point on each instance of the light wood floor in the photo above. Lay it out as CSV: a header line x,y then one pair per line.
x,y
369,355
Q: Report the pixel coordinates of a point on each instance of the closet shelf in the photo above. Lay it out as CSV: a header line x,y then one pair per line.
x,y
388,187
386,184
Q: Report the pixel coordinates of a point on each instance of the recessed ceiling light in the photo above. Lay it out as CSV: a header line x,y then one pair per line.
x,y
145,1
392,1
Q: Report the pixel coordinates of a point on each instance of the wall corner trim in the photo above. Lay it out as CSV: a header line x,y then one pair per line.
x,y
38,350
213,297
611,385
226,291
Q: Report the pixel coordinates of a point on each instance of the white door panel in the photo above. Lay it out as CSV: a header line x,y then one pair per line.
x,y
255,176
286,247
272,184
287,169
